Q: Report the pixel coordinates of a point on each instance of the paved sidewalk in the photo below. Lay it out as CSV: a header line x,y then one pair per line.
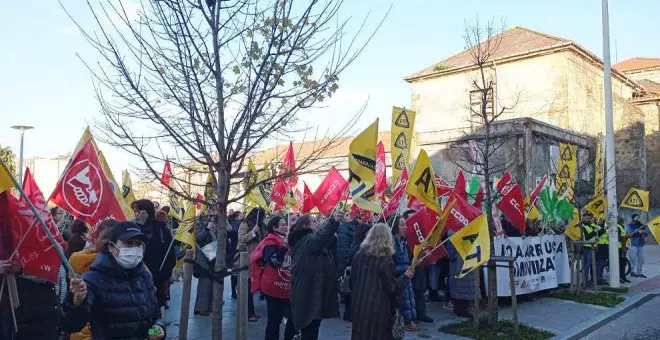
x,y
564,318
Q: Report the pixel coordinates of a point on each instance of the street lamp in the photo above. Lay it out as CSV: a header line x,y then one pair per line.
x,y
22,129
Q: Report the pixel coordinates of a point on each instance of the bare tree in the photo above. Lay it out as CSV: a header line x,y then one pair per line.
x,y
477,152
209,82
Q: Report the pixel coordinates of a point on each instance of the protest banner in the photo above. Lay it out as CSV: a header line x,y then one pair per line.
x,y
541,263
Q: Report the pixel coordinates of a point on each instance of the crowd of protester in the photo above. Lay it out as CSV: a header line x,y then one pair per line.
x,y
305,267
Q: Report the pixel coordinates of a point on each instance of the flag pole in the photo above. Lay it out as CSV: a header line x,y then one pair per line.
x,y
50,236
610,154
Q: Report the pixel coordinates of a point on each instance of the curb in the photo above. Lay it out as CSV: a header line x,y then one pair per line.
x,y
581,331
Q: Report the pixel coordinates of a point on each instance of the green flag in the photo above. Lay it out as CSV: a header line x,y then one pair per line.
x,y
473,189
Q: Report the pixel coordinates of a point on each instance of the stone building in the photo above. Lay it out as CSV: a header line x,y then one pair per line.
x,y
549,79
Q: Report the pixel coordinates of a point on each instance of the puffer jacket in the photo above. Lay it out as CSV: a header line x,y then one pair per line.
x,y
402,260
120,303
344,242
314,275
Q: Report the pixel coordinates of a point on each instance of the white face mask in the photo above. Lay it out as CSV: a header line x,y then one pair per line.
x,y
129,258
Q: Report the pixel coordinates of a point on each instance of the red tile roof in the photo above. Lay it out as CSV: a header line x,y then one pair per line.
x,y
650,86
634,64
514,41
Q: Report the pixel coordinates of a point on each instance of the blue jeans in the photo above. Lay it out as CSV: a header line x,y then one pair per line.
x,y
587,255
433,276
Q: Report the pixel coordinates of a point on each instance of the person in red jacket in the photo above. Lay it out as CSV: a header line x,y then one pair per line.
x,y
270,264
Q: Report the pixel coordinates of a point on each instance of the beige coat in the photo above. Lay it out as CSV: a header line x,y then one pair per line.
x,y
246,239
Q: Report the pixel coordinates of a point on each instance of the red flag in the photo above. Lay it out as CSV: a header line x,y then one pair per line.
x,y
355,211
380,184
37,255
418,226
397,193
443,187
286,180
512,206
537,191
200,198
308,201
462,213
83,190
167,173
289,168
414,203
330,191
479,198
505,180
459,187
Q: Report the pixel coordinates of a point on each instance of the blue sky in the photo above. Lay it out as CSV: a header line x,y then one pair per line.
x,y
42,82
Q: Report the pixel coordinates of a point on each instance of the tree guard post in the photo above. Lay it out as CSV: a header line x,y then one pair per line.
x,y
185,297
477,298
512,285
243,277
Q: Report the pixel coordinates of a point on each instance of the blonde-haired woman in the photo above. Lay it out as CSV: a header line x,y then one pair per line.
x,y
374,288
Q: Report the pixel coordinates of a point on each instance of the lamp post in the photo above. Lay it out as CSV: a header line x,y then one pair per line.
x,y
22,129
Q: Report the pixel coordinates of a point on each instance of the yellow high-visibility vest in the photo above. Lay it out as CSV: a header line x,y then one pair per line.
x,y
588,229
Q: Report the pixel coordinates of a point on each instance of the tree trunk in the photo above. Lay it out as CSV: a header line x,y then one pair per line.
x,y
220,262
493,316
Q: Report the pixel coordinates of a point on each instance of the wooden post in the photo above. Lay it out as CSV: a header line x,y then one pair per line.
x,y
477,297
243,277
185,297
514,301
593,266
581,268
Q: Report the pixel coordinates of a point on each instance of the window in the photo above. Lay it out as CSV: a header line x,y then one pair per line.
x,y
476,97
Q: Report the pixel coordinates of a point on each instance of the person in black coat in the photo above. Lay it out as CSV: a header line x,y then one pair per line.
x,y
117,296
359,236
314,293
158,243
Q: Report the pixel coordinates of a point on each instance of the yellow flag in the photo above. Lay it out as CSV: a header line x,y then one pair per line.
x,y
434,236
5,179
597,206
186,232
654,227
209,190
599,176
573,228
175,208
403,122
472,243
637,199
362,168
533,213
127,189
566,167
258,195
422,182
87,135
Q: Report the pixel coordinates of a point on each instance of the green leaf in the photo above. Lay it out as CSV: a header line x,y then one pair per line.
x,y
236,69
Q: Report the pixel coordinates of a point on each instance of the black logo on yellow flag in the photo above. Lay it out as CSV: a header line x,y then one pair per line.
x,y
402,120
566,154
400,162
422,183
563,188
425,179
474,255
565,172
634,200
125,190
401,142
